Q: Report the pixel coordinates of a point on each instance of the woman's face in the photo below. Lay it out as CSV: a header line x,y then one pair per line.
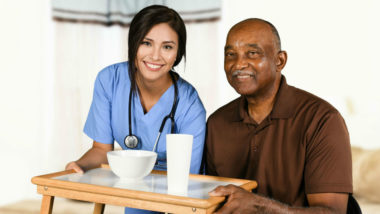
x,y
157,53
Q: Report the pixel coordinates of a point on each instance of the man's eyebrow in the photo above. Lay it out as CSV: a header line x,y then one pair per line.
x,y
253,46
227,47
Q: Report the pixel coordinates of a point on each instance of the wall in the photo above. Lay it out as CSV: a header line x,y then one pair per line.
x,y
332,47
333,50
23,83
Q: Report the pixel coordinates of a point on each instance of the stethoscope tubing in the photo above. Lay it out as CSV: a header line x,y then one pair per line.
x,y
131,141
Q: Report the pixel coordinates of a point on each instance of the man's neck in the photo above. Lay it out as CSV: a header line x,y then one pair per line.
x,y
259,107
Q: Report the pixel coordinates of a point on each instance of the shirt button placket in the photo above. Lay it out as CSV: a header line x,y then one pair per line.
x,y
254,148
253,142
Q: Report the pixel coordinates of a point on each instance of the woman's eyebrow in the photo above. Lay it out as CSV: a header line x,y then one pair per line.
x,y
146,38
169,42
165,42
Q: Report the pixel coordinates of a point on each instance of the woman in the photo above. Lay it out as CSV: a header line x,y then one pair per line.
x,y
132,98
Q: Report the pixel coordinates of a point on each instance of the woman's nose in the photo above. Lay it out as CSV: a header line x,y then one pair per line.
x,y
156,54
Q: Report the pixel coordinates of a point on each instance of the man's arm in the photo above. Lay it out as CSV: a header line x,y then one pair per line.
x,y
242,201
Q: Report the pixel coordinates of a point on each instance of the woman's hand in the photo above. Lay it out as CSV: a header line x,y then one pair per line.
x,y
93,158
73,165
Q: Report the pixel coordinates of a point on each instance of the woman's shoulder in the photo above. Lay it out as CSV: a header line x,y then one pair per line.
x,y
186,89
114,71
112,77
188,94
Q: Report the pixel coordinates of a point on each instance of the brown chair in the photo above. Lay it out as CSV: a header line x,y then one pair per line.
x,y
353,206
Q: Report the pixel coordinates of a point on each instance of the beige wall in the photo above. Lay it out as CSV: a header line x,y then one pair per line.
x,y
333,52
332,47
23,80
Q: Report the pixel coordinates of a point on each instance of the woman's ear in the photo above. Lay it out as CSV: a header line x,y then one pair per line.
x,y
282,57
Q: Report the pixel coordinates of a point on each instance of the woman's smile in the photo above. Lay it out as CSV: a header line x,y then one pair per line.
x,y
153,66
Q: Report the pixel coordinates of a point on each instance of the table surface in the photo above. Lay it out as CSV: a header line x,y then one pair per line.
x,y
102,186
154,183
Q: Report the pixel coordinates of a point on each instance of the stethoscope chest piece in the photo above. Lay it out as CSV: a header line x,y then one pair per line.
x,y
131,141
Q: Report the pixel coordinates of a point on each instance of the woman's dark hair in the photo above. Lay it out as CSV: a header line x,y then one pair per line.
x,y
141,25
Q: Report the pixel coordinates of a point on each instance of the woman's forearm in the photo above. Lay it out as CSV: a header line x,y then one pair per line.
x,y
95,156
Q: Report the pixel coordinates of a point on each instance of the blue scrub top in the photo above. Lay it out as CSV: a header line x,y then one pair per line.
x,y
107,120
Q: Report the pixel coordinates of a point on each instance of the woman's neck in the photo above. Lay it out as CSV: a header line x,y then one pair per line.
x,y
151,91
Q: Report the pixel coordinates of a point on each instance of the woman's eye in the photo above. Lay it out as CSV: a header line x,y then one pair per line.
x,y
168,47
145,43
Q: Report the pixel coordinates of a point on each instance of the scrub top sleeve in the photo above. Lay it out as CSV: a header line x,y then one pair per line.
x,y
194,123
98,123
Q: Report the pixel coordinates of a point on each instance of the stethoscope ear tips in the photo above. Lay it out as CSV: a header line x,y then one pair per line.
x,y
131,141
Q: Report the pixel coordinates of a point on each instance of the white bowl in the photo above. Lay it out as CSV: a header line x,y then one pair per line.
x,y
131,164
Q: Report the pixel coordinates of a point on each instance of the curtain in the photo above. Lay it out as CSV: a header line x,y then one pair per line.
x,y
83,47
109,12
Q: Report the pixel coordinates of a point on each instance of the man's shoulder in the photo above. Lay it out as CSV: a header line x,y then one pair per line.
x,y
228,112
310,101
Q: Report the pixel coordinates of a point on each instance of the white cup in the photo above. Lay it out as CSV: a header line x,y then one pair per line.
x,y
178,151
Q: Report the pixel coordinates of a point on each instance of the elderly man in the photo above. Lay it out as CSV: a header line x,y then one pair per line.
x,y
294,144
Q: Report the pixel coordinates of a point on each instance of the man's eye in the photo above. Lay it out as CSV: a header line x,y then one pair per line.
x,y
252,53
229,54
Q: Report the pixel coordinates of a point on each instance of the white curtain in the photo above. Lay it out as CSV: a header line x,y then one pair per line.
x,y
122,11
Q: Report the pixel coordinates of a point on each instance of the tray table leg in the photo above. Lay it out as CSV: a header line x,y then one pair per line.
x,y
98,208
47,204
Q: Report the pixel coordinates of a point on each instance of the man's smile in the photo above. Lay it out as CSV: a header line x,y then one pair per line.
x,y
243,75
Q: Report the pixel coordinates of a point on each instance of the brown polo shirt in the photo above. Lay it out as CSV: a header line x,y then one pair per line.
x,y
302,147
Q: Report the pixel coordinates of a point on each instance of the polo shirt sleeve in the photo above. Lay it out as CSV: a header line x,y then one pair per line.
x,y
98,123
193,121
328,166
209,148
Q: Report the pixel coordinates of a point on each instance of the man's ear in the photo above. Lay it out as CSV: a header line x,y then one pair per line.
x,y
282,57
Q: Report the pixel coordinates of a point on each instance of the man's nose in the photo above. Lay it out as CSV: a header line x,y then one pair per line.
x,y
241,62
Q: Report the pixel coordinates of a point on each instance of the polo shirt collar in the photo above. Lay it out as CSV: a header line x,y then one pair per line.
x,y
285,103
283,107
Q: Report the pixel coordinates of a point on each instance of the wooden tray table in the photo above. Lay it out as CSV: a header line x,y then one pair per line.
x,y
102,186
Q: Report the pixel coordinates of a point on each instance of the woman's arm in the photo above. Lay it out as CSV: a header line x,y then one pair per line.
x,y
94,157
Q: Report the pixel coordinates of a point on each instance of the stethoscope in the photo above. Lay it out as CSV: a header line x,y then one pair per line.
x,y
131,140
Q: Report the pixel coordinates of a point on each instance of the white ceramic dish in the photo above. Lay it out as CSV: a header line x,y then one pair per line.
x,y
131,164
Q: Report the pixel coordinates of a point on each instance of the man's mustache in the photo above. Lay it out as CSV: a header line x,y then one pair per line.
x,y
240,72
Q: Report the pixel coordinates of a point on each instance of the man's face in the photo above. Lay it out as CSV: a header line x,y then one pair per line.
x,y
250,59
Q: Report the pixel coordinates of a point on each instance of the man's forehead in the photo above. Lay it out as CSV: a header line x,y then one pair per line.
x,y
249,33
